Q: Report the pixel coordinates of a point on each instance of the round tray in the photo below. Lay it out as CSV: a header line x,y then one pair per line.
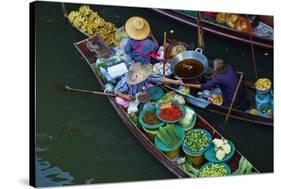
x,y
145,125
210,154
158,111
226,167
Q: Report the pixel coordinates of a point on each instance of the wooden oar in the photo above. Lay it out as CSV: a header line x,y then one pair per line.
x,y
143,97
70,89
233,99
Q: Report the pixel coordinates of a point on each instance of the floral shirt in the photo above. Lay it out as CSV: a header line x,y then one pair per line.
x,y
132,90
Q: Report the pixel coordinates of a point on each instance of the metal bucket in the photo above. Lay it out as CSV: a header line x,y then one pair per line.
x,y
190,55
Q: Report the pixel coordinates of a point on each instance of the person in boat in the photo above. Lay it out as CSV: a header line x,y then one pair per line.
x,y
142,45
138,79
225,77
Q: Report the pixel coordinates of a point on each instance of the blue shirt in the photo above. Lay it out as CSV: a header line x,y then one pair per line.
x,y
123,87
227,82
142,54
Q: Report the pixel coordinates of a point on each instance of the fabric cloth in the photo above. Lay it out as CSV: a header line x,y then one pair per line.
x,y
140,50
227,82
122,102
123,87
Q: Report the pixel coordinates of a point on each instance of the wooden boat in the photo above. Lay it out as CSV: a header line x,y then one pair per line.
x,y
138,132
249,88
236,114
214,28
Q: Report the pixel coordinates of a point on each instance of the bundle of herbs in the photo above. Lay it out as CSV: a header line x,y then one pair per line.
x,y
169,136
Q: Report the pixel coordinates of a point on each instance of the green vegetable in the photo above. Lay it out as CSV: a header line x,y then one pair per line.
x,y
196,140
166,98
245,167
169,136
215,170
189,169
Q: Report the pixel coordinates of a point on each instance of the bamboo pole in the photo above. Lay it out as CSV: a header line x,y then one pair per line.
x,y
199,31
252,47
233,99
164,50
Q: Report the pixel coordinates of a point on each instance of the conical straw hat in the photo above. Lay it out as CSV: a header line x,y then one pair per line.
x,y
137,28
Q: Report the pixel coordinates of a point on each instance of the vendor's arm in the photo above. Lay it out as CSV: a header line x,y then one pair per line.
x,y
161,79
121,89
209,84
124,96
172,81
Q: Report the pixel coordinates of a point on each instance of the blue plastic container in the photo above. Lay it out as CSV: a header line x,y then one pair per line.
x,y
190,153
155,92
198,102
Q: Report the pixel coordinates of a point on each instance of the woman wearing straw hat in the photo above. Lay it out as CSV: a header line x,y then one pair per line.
x,y
137,80
140,46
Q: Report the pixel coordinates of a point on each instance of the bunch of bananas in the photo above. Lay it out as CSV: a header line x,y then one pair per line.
x,y
90,22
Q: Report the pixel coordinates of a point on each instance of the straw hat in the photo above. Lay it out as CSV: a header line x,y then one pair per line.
x,y
137,28
138,73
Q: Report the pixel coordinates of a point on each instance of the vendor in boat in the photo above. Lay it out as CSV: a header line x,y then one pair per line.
x,y
138,79
225,77
141,45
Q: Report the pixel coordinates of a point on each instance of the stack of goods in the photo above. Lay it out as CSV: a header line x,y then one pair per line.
x,y
264,97
90,22
235,21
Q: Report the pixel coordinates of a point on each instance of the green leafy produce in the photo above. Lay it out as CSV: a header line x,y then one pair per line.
x,y
196,140
133,117
215,170
169,136
245,167
166,98
189,169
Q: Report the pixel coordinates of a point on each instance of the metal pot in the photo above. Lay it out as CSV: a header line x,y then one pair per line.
x,y
190,55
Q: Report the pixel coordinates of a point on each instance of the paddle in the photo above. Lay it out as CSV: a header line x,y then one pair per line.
x,y
233,99
142,97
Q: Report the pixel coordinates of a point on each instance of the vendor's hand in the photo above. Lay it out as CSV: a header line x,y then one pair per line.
x,y
129,97
179,82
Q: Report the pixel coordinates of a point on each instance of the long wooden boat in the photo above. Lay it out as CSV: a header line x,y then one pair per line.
x,y
250,90
137,131
235,114
216,29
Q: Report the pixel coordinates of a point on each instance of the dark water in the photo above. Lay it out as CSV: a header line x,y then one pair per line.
x,y
80,139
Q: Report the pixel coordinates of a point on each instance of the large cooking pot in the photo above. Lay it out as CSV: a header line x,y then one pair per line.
x,y
189,64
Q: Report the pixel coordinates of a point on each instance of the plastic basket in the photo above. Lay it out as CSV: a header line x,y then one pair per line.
x,y
147,126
